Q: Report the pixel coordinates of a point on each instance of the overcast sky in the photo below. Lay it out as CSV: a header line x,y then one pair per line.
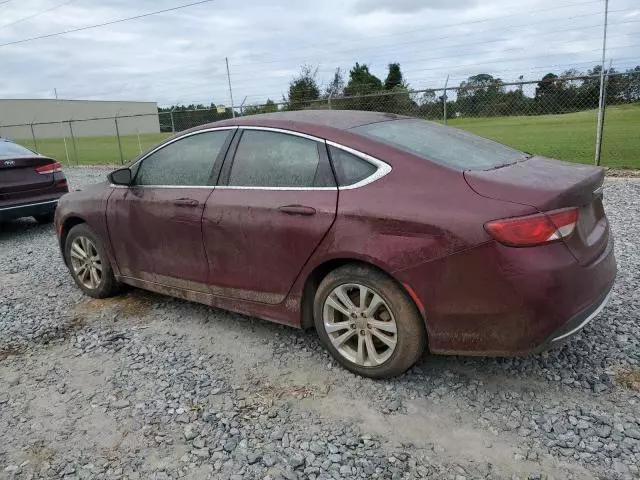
x,y
178,57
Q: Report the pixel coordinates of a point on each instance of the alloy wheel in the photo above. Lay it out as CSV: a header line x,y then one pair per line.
x,y
360,324
86,262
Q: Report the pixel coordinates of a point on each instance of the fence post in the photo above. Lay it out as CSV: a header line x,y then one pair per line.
x,y
73,142
330,95
119,142
33,135
173,125
602,86
444,100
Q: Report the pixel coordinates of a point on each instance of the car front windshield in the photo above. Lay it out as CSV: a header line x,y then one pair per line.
x,y
448,146
10,149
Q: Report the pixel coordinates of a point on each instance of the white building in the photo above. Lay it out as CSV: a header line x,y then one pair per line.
x,y
22,119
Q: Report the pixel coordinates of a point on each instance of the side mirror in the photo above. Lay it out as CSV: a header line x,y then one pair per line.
x,y
122,176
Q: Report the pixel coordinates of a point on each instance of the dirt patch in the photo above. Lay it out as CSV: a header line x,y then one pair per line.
x,y
629,378
8,352
132,305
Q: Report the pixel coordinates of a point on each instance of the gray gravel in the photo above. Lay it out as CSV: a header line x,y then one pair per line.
x,y
145,386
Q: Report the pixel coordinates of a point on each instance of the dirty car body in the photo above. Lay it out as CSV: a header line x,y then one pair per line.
x,y
30,183
501,254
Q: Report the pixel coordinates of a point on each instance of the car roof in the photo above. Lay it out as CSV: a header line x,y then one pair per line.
x,y
308,119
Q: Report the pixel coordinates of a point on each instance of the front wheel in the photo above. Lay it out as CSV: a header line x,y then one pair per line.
x,y
88,262
367,322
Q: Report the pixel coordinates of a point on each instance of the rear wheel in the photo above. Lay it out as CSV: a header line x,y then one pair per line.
x,y
367,322
44,218
89,264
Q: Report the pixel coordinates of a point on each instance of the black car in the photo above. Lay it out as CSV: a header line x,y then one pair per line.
x,y
30,183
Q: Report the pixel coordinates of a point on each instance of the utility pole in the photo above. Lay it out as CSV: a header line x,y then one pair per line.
x,y
233,113
602,90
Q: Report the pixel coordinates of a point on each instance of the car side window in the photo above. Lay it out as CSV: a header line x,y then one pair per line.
x,y
349,168
185,162
272,159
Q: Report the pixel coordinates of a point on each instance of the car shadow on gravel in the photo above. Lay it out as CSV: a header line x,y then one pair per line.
x,y
15,229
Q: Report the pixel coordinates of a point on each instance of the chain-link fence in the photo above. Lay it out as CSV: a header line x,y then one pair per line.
x,y
554,116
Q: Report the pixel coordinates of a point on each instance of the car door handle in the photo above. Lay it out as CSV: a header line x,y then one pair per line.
x,y
186,202
297,210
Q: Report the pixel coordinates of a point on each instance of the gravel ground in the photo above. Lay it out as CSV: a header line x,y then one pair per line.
x,y
145,386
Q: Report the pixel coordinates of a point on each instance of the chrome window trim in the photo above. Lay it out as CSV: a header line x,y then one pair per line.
x,y
304,189
283,130
210,187
186,135
383,168
24,205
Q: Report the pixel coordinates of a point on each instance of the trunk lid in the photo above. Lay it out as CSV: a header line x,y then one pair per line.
x,y
18,174
547,185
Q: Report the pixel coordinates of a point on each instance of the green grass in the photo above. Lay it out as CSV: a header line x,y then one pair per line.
x,y
95,150
569,136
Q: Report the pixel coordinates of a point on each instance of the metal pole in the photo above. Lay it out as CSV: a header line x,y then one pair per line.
x,y
233,113
330,95
601,99
242,106
73,142
173,125
64,137
33,135
139,143
604,111
444,100
119,142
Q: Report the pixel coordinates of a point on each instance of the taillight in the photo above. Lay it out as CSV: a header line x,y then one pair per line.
x,y
534,229
49,168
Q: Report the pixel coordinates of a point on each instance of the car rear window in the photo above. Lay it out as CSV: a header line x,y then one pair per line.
x,y
441,144
10,149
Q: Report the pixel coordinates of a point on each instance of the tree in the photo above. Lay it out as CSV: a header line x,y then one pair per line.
x,y
430,106
335,88
361,83
479,95
303,89
394,77
268,107
631,85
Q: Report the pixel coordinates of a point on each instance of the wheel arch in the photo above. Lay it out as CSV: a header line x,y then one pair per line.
x,y
323,269
66,227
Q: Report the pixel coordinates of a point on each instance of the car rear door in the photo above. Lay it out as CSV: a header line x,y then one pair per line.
x,y
155,225
276,201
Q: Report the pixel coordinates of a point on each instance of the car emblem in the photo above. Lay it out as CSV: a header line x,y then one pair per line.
x,y
9,163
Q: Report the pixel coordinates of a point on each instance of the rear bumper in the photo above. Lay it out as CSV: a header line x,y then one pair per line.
x,y
496,300
575,323
41,207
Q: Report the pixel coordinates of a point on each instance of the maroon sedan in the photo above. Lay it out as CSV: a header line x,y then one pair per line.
x,y
30,183
388,234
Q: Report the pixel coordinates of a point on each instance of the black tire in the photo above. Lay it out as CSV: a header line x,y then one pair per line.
x,y
44,218
108,285
411,333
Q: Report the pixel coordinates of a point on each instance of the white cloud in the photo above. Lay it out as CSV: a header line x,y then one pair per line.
x,y
180,55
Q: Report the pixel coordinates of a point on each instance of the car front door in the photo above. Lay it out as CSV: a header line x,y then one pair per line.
x,y
275,202
155,225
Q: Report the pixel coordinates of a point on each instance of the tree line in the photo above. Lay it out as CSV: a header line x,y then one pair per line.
x,y
479,95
